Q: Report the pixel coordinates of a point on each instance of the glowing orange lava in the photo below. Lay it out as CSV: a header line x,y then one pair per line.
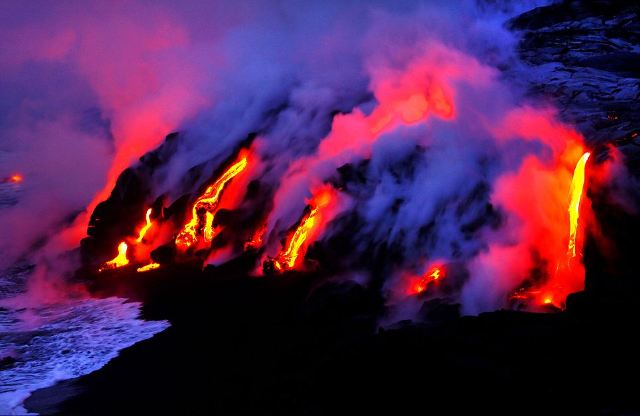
x,y
119,260
295,247
564,274
206,206
150,266
16,178
577,184
434,273
535,296
256,239
146,227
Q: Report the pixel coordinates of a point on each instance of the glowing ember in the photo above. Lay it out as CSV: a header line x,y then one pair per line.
x,y
150,266
577,183
535,297
146,227
294,248
15,178
433,274
206,206
524,294
256,239
119,260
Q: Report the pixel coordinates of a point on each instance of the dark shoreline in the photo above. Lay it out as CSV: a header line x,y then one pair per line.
x,y
280,345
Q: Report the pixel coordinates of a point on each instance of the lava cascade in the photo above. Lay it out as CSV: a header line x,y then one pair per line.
x,y
200,226
145,228
427,108
567,271
577,185
118,261
309,227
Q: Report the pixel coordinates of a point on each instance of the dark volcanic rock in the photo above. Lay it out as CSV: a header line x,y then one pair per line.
x,y
241,345
6,362
115,218
585,56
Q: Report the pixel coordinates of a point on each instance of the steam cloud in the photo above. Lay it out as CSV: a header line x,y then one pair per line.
x,y
456,166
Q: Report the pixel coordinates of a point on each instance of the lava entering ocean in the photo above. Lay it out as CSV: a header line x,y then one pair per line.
x,y
146,268
409,159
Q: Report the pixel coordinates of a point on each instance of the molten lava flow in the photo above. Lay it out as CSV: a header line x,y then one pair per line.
x,y
119,260
295,246
16,178
150,266
206,206
208,227
146,227
434,273
577,183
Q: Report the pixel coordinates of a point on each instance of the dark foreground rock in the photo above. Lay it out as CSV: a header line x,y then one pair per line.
x,y
279,345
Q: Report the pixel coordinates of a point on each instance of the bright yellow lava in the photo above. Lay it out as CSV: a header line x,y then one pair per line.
x,y
150,266
289,256
119,260
577,184
207,202
146,227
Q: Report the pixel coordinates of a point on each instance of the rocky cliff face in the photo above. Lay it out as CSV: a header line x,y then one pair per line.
x,y
585,57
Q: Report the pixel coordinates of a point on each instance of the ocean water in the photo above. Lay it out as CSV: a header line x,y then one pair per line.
x,y
62,341
53,342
